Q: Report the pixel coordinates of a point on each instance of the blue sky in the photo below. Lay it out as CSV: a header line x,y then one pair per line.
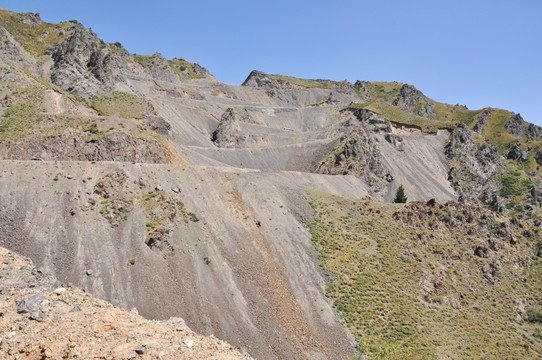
x,y
476,53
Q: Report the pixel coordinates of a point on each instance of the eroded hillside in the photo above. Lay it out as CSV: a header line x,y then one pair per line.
x,y
150,184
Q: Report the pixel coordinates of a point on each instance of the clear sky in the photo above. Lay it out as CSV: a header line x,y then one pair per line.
x,y
473,52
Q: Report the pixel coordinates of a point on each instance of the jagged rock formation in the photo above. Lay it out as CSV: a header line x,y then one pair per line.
x,y
519,128
228,132
538,158
355,152
85,65
515,153
412,100
261,80
481,120
475,164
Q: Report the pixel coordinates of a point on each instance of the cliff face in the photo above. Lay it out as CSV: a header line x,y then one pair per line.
x,y
109,156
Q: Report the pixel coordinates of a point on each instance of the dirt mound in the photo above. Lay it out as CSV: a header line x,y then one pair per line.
x,y
40,319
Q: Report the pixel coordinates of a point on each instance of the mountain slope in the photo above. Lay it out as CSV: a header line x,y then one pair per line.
x,y
187,197
429,280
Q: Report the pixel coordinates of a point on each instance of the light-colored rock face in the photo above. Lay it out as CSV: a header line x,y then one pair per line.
x,y
279,128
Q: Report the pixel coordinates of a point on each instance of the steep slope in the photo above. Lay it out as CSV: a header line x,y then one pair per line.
x,y
225,249
430,280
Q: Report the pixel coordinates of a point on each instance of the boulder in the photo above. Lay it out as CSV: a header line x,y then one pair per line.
x,y
30,304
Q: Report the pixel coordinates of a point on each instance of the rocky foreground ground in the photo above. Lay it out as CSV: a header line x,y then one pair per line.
x,y
43,319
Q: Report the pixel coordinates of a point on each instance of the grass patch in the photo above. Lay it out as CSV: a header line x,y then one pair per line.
x,y
144,60
514,183
307,83
117,104
407,291
181,66
22,114
495,131
455,113
395,114
35,39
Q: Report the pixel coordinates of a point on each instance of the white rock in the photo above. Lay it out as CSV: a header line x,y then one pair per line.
x,y
60,291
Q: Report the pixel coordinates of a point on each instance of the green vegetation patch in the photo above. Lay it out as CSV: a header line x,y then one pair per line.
x,y
380,95
380,90
395,114
182,66
22,114
515,183
455,113
417,281
144,60
118,104
496,132
516,189
35,39
308,83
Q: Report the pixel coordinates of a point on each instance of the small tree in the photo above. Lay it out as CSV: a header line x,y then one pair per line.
x,y
400,196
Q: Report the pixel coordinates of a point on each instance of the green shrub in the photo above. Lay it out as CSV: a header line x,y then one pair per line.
x,y
193,217
534,314
400,196
514,184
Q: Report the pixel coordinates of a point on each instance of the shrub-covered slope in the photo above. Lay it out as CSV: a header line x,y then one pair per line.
x,y
430,280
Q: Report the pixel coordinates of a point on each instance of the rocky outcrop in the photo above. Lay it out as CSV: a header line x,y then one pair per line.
x,y
492,200
262,80
516,126
481,119
474,164
520,128
483,160
395,140
115,146
344,87
85,65
158,125
355,152
534,133
517,154
372,121
414,101
228,133
536,195
29,19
